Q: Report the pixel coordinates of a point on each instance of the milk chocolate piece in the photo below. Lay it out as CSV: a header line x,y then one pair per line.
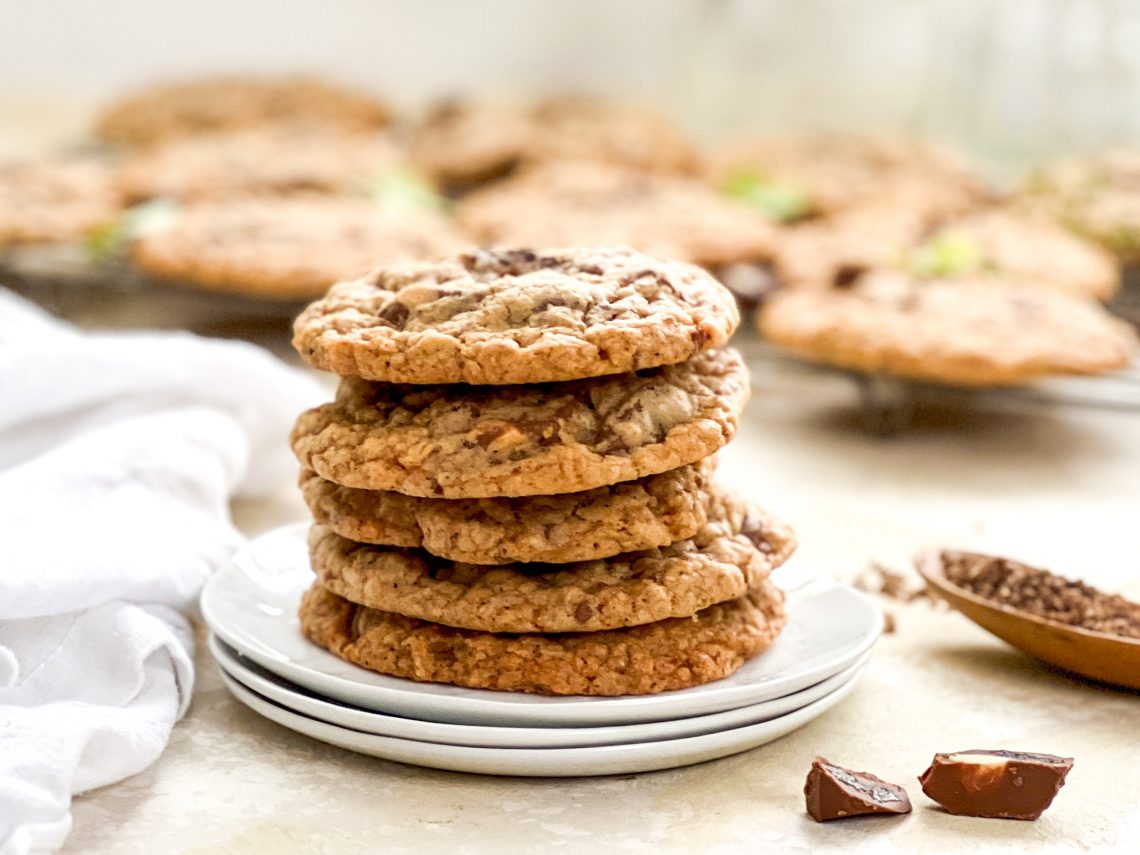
x,y
1001,784
832,792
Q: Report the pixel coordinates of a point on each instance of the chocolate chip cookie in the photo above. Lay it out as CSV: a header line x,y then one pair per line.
x,y
277,159
956,331
591,204
1097,196
992,243
463,442
56,200
465,144
287,249
642,514
726,558
174,110
656,657
516,316
799,176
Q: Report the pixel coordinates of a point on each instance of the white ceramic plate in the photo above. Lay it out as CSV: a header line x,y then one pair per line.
x,y
545,762
283,693
251,604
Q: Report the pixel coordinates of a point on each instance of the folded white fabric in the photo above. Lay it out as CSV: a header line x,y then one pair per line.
x,y
118,456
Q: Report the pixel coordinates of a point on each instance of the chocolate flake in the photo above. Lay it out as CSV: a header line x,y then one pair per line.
x,y
833,792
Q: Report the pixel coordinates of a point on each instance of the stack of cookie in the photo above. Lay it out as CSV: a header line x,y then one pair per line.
x,y
513,488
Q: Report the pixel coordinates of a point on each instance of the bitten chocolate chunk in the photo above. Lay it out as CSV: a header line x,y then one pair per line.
x,y
1000,784
832,792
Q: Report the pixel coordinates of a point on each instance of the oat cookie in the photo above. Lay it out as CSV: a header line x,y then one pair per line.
x,y
992,242
657,657
516,316
1097,196
465,144
720,562
598,523
805,175
279,159
464,442
960,331
592,204
287,249
176,110
55,200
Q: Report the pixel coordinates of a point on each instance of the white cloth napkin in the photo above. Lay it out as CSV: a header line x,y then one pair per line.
x,y
118,456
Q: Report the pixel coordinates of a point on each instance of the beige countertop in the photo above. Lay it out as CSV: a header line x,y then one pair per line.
x,y
1056,484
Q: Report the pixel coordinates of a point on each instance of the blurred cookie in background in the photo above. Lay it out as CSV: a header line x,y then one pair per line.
x,y
56,199
960,332
795,177
179,109
570,203
275,159
986,244
287,248
1096,196
463,144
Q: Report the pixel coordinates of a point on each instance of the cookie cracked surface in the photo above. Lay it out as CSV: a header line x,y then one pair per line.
x,y
516,316
656,657
598,523
728,557
473,442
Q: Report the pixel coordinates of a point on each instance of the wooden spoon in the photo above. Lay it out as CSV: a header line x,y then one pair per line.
x,y
1096,655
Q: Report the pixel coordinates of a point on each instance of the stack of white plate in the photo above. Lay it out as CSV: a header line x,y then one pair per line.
x,y
251,604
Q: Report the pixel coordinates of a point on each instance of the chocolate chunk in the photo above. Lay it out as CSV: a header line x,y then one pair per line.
x,y
832,792
1000,784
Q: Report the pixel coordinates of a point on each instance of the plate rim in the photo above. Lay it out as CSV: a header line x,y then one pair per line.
x,y
564,711
229,662
613,759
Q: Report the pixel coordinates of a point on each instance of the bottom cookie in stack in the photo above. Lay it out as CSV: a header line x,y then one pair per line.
x,y
667,618
672,654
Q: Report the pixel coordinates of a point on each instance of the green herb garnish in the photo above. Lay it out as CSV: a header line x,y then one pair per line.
x,y
111,239
777,200
949,253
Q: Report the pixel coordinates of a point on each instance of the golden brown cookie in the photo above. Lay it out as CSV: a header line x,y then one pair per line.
x,y
795,176
728,557
461,442
1097,196
174,110
959,331
516,316
56,200
592,204
990,242
656,657
287,249
464,144
598,523
279,159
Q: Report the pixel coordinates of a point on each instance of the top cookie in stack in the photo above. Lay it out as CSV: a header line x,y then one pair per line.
x,y
541,517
